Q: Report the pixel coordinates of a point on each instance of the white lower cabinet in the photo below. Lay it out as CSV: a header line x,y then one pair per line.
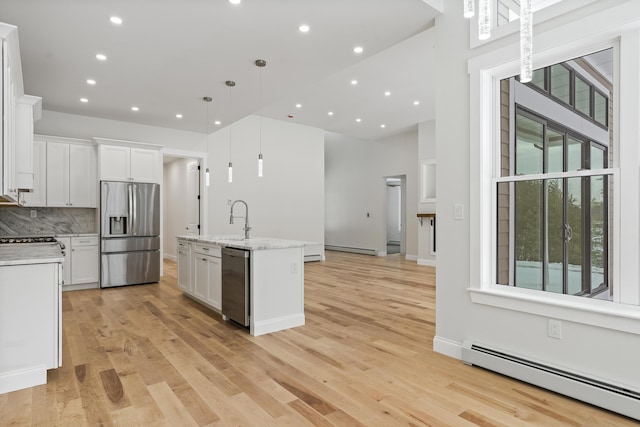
x,y
200,272
81,264
184,267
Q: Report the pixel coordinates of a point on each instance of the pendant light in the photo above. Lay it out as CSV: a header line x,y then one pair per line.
x,y
230,84
484,19
207,181
469,10
260,63
526,41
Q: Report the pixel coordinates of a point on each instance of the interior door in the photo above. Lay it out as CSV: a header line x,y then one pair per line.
x,y
193,198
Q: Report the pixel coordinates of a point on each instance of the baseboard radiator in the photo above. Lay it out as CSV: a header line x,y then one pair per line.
x,y
595,392
352,250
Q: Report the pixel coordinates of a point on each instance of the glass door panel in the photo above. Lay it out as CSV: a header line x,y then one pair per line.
x,y
529,145
573,235
554,270
528,244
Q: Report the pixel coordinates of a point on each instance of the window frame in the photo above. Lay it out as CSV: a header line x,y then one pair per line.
x,y
486,71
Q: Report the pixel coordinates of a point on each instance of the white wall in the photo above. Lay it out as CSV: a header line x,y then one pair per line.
x,y
355,178
426,151
596,351
85,127
288,201
175,201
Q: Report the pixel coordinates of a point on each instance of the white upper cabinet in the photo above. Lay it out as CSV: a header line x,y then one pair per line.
x,y
38,197
18,111
129,161
71,173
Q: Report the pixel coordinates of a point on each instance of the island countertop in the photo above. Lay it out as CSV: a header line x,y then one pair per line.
x,y
239,242
30,253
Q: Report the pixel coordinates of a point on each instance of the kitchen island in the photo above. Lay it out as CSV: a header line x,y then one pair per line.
x,y
276,270
30,313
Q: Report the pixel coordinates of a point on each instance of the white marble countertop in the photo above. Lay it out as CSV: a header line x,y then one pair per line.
x,y
30,253
252,244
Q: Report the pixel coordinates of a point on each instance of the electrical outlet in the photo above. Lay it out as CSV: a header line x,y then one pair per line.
x,y
458,211
555,329
34,213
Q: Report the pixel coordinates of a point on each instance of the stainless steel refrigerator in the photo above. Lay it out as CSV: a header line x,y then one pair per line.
x,y
129,233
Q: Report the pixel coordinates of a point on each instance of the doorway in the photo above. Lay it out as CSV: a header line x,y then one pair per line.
x,y
395,187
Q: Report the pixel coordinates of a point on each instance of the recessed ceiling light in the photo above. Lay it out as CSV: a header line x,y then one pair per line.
x,y
178,116
387,93
116,20
330,113
383,126
416,102
358,120
101,57
304,28
235,1
354,82
135,109
358,49
298,105
217,123
91,82
85,100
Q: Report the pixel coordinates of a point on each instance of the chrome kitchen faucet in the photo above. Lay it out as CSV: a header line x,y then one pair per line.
x,y
246,217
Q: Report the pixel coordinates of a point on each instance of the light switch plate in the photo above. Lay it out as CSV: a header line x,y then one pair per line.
x,y
458,211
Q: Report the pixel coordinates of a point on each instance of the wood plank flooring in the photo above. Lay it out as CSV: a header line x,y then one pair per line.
x,y
149,356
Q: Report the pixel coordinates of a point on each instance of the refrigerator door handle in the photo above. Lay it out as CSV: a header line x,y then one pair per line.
x,y
135,209
131,219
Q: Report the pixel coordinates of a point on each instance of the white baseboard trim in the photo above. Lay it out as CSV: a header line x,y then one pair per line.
x,y
411,257
80,287
427,262
363,251
23,378
171,257
277,324
447,347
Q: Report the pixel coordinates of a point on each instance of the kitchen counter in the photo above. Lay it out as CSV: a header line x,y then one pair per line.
x,y
253,244
30,253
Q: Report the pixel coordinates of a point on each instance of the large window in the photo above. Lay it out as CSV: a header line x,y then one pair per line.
x,y
554,192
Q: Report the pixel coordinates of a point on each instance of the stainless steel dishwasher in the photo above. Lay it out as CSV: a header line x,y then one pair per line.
x,y
235,285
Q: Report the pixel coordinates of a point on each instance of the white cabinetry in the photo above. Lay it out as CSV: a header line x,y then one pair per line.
x,y
81,264
28,110
38,197
129,161
184,266
71,174
205,273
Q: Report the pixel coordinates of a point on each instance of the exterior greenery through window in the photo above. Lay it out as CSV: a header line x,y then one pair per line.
x,y
554,194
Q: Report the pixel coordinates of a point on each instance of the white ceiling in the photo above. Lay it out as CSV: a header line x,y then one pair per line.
x,y
168,54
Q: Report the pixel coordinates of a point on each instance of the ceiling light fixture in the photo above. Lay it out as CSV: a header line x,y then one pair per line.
x,y
84,100
358,49
230,84
116,20
304,28
330,113
235,1
101,57
416,102
354,82
178,116
91,82
298,105
217,123
207,179
469,10
383,126
387,93
261,63
135,109
358,120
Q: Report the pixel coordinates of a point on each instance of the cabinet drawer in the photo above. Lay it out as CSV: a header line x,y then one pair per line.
x,y
182,244
213,250
84,241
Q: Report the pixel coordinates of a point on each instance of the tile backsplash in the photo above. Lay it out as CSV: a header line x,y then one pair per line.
x,y
19,221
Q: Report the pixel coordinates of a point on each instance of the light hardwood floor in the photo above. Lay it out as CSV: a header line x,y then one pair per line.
x,y
148,356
